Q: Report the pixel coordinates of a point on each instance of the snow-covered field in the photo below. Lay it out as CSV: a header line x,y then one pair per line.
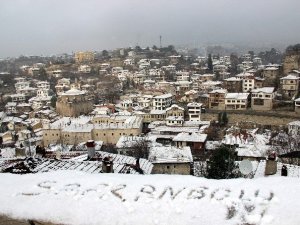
x,y
71,197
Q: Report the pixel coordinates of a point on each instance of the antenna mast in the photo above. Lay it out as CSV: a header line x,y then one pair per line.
x,y
160,41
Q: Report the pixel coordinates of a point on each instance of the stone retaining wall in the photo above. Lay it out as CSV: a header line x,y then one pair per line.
x,y
271,119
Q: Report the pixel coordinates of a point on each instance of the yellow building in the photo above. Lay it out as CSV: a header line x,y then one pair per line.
x,y
73,103
84,57
109,129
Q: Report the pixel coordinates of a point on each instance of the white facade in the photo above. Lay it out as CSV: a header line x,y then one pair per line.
x,y
43,85
182,76
194,111
22,85
18,97
236,101
162,102
129,62
84,69
174,121
57,73
248,84
42,93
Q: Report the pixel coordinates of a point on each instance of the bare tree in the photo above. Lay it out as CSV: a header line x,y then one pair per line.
x,y
283,143
140,148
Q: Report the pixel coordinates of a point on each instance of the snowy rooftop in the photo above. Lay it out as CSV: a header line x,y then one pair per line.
x,y
155,111
175,118
191,92
221,91
244,75
233,79
170,154
163,96
271,68
290,77
84,123
267,90
249,144
240,96
121,164
211,83
194,104
66,121
297,123
73,92
174,106
190,137
297,100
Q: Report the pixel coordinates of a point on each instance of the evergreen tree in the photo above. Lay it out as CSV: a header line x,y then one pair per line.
x,y
220,118
53,101
217,76
224,118
210,63
222,164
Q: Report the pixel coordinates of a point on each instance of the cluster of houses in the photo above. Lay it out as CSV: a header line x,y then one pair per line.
x,y
158,101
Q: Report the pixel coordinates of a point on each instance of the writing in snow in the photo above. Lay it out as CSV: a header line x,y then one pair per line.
x,y
237,202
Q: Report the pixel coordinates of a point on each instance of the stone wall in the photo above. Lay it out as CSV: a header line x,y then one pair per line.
x,y
111,136
74,109
171,168
259,118
291,62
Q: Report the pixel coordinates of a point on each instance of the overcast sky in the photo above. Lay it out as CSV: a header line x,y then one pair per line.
x,y
36,27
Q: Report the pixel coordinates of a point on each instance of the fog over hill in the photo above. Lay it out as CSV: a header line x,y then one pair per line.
x,y
46,26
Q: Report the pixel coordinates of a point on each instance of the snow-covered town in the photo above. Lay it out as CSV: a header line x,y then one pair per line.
x,y
157,132
163,115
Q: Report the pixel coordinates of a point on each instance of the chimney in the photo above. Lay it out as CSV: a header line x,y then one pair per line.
x,y
271,167
137,163
90,145
137,166
107,165
271,164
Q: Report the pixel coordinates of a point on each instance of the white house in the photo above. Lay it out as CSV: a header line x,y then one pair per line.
x,y
194,111
236,101
162,102
262,98
84,69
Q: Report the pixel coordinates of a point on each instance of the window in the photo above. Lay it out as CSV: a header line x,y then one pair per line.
x,y
258,102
